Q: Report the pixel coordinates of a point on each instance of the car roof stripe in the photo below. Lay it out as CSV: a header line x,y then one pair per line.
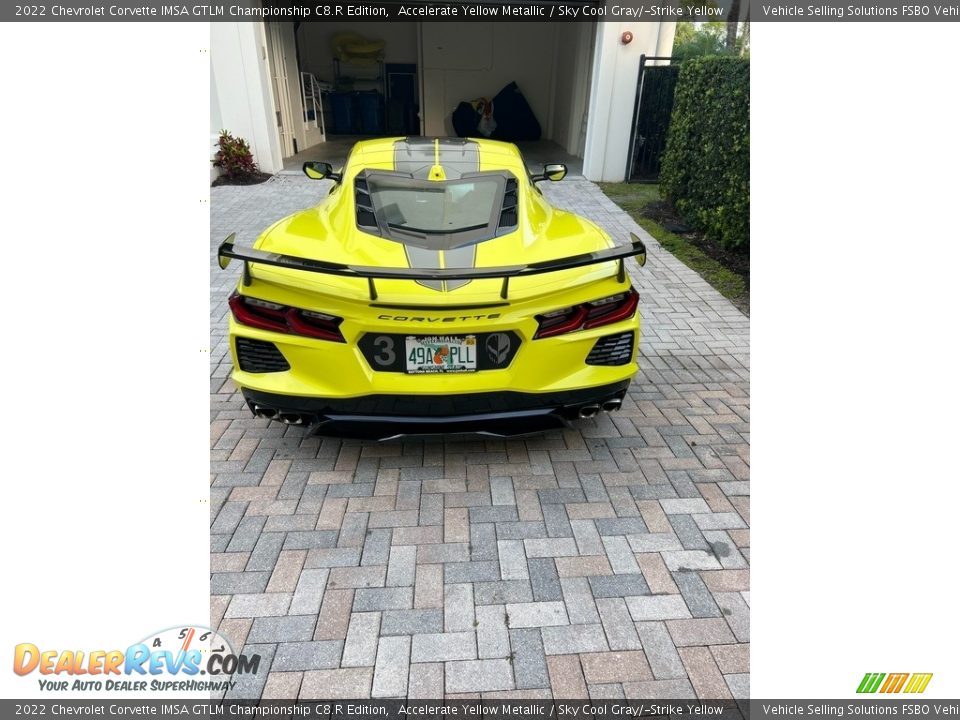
x,y
417,156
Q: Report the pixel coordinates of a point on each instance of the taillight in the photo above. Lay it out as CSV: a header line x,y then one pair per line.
x,y
561,321
282,318
612,309
314,324
605,311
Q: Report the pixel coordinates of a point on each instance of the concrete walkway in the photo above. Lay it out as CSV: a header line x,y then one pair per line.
x,y
610,560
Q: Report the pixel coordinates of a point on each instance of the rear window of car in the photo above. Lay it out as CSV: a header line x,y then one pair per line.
x,y
435,207
436,213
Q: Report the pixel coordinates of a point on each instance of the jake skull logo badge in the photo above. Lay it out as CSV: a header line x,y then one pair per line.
x,y
498,347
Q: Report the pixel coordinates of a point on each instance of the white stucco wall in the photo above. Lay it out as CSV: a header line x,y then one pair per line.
x,y
571,82
215,124
614,89
241,88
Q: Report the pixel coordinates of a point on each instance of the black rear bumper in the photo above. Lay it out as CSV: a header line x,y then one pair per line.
x,y
380,417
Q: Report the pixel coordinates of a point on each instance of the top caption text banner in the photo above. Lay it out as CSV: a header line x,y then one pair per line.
x,y
489,11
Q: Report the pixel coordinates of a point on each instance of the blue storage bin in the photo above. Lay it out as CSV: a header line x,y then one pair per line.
x,y
370,109
344,117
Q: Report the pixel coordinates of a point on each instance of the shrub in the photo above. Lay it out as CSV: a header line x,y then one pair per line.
x,y
234,157
705,170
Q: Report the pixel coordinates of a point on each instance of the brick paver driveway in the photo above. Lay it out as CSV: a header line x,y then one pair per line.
x,y
609,560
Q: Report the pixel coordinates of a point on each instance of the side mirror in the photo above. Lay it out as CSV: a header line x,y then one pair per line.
x,y
554,172
321,171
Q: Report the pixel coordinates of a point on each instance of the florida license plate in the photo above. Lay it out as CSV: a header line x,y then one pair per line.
x,y
441,354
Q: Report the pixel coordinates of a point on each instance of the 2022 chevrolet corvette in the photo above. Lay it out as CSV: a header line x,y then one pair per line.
x,y
434,290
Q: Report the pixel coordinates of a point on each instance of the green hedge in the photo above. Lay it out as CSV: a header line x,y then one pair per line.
x,y
706,165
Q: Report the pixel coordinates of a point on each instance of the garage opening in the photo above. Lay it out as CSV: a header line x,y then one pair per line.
x,y
359,80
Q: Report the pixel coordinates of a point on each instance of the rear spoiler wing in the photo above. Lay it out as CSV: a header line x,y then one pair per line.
x,y
228,251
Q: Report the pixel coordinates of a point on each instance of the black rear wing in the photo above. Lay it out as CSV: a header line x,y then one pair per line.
x,y
228,251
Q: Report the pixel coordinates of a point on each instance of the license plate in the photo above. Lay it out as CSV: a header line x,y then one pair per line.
x,y
441,354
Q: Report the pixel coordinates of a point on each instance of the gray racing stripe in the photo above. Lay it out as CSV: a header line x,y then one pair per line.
x,y
416,156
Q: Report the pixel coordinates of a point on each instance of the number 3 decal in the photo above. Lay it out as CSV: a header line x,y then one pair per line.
x,y
386,356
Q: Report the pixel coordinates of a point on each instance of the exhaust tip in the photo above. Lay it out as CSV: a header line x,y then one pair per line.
x,y
265,412
612,405
589,411
290,419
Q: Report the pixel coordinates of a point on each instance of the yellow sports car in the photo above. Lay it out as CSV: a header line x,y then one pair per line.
x,y
434,290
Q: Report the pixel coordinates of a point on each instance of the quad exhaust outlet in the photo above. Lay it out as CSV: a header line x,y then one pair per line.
x,y
268,413
589,411
593,409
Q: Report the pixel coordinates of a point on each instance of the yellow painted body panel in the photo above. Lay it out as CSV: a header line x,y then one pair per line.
x,y
328,369
329,231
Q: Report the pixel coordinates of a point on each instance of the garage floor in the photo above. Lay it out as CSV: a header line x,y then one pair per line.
x,y
335,150
608,560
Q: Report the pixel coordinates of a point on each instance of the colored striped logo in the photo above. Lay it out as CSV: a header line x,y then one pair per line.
x,y
894,682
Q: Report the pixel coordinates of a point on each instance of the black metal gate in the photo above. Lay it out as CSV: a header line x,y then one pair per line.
x,y
651,119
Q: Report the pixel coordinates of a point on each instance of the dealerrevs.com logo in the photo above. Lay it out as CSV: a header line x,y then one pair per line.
x,y
178,659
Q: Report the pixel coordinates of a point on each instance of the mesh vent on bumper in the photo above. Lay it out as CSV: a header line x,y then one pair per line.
x,y
612,350
257,356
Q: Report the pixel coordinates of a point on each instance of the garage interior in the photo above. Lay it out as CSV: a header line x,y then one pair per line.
x,y
408,78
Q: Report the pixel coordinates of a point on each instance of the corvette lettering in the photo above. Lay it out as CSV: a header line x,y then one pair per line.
x,y
462,318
